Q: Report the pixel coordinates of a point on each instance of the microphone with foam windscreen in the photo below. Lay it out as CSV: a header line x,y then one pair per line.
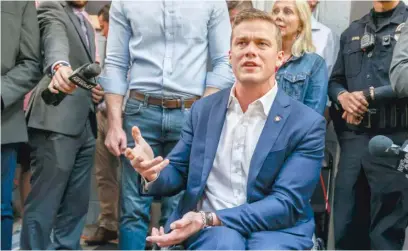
x,y
382,146
83,77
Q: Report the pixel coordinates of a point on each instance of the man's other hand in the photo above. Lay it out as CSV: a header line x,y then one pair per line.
x,y
97,94
182,229
60,81
352,119
142,158
116,140
353,102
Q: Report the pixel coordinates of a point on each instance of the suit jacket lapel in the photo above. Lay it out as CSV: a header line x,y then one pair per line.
x,y
78,28
273,126
214,128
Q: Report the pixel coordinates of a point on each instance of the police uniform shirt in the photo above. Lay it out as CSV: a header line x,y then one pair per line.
x,y
357,69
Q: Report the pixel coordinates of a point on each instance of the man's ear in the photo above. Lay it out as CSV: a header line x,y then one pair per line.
x,y
279,59
229,56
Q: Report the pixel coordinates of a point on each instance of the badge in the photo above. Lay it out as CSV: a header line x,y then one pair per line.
x,y
355,38
398,31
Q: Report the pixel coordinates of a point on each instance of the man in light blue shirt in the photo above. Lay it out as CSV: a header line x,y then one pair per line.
x,y
163,46
326,42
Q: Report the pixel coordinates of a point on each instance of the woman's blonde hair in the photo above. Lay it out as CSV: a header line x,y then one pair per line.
x,y
303,42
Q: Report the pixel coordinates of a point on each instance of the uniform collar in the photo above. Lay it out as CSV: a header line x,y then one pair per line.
x,y
396,18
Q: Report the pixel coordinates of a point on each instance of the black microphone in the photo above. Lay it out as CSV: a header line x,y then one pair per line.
x,y
382,146
83,77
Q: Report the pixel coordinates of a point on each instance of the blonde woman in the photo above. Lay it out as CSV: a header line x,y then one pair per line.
x,y
303,74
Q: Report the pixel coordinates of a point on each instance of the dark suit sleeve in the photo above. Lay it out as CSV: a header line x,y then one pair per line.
x,y
54,37
291,191
26,72
399,65
173,178
337,81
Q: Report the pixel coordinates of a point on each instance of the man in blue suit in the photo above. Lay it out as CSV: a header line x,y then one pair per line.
x,y
248,158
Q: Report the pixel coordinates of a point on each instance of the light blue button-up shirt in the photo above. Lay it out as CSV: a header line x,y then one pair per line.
x,y
167,44
326,42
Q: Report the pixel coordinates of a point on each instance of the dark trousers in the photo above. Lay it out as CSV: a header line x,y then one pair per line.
x,y
371,197
60,186
8,167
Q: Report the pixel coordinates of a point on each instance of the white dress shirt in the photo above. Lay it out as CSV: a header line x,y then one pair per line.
x,y
326,43
227,182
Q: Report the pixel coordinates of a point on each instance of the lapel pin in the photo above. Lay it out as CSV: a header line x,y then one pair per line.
x,y
277,118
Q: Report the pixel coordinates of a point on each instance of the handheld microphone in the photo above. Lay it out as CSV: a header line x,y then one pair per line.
x,y
382,146
83,77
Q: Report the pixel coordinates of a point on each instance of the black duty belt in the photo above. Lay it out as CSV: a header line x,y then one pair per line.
x,y
393,116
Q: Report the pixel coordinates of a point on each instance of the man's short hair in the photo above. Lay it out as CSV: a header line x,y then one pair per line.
x,y
104,12
254,15
239,5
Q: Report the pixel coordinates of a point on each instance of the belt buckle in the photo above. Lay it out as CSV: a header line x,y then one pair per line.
x,y
369,113
163,101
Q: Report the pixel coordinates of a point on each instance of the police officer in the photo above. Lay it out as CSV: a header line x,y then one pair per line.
x,y
370,200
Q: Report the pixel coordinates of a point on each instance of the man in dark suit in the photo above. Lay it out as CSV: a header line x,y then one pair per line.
x,y
62,138
20,71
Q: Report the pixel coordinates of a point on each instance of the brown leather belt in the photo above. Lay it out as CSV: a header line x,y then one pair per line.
x,y
165,103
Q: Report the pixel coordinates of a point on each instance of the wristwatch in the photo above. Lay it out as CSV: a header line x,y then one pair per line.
x,y
369,93
207,218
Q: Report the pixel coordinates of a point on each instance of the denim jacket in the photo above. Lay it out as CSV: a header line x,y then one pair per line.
x,y
305,79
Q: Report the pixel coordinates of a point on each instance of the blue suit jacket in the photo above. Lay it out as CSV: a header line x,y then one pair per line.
x,y
283,173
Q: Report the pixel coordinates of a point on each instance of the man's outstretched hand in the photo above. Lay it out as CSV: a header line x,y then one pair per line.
x,y
142,158
190,224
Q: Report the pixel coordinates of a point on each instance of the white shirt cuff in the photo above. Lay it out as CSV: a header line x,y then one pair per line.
x,y
146,184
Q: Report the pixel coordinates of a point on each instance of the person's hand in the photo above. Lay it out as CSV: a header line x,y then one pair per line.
x,y
97,94
60,81
116,141
190,224
142,158
352,119
353,102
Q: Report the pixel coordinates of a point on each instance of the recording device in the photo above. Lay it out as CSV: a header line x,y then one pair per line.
x,y
83,77
382,146
367,41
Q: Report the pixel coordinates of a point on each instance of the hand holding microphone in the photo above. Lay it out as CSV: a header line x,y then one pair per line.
x,y
65,81
60,81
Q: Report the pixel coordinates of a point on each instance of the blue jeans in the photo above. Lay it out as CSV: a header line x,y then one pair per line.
x,y
8,168
161,128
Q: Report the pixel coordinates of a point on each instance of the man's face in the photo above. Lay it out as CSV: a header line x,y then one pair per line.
x,y
254,53
78,4
104,26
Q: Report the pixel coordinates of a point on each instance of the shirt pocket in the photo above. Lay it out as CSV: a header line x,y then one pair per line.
x,y
294,84
353,57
